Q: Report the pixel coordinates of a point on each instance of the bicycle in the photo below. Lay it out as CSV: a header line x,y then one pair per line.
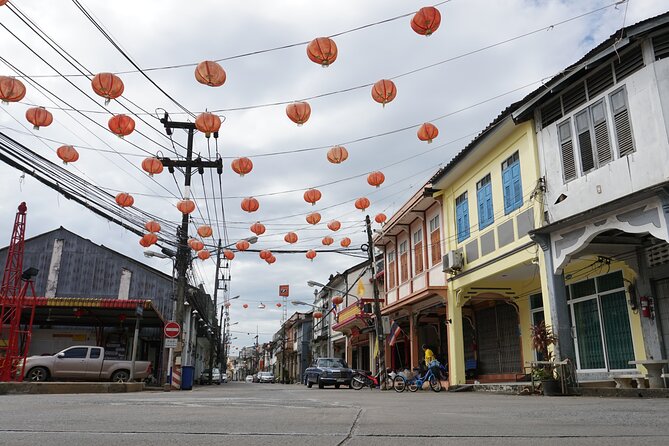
x,y
362,379
400,383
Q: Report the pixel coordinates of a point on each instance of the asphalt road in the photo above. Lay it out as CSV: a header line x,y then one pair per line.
x,y
273,414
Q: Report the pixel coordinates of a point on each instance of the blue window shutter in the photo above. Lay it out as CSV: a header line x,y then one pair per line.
x,y
483,215
517,185
462,220
507,182
484,197
488,204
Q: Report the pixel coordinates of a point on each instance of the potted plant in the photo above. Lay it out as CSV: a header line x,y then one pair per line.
x,y
542,338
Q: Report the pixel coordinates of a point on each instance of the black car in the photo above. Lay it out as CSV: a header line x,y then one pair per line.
x,y
328,372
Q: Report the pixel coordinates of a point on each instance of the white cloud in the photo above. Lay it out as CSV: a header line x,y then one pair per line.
x,y
173,34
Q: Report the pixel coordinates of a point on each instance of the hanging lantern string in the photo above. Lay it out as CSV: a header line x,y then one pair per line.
x,y
263,51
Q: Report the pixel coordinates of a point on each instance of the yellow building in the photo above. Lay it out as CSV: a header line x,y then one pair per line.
x,y
491,195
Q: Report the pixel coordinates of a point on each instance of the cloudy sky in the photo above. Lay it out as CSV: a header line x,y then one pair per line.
x,y
480,65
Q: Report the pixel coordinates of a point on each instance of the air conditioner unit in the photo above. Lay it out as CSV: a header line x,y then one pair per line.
x,y
452,261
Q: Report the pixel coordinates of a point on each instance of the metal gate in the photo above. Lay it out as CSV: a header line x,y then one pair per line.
x,y
498,340
662,304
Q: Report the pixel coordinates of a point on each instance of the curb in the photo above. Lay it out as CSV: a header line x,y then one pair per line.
x,y
52,388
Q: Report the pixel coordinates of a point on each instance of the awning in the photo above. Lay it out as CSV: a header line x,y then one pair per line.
x,y
92,312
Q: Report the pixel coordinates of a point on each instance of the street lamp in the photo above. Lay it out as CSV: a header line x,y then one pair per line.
x,y
299,302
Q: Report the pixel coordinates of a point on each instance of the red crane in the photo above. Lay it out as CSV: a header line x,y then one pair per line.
x,y
15,340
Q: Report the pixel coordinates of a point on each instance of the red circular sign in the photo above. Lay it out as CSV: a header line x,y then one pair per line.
x,y
172,329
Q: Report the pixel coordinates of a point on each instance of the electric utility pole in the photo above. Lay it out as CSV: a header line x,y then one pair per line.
x,y
183,258
216,340
378,325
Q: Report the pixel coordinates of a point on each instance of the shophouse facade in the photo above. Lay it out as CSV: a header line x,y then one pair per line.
x,y
602,130
414,283
491,197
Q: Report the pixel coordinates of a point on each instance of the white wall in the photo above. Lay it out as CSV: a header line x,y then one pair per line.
x,y
648,95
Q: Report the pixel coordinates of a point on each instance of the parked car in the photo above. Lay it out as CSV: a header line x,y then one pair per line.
x,y
249,378
215,376
83,363
266,377
328,372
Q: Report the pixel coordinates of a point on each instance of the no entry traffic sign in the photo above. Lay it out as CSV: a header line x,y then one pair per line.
x,y
172,329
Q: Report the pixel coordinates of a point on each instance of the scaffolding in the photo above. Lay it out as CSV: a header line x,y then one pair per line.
x,y
15,338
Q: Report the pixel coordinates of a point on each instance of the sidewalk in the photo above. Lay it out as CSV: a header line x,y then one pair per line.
x,y
13,388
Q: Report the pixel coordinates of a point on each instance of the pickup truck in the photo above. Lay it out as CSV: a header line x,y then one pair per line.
x,y
82,363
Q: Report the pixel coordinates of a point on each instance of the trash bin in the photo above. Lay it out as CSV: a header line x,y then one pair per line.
x,y
187,377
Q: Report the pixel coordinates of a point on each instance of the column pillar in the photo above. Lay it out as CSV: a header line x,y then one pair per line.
x,y
556,308
413,339
456,348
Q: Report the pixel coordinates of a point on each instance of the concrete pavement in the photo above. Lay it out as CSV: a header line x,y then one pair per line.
x,y
273,414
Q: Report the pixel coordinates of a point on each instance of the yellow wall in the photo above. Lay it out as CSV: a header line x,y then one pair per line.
x,y
521,138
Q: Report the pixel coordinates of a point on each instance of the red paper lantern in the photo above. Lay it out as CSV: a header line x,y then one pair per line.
x,y
427,132
278,305
311,254
195,244
298,112
327,240
78,312
291,237
242,166
143,242
265,254
258,228
39,117
152,166
186,206
345,242
313,218
336,300
150,238
337,154
124,200
122,317
107,85
426,21
312,196
121,125
242,245
208,123
205,231
271,259
384,91
322,50
245,306
68,154
210,73
203,254
11,90
376,178
334,225
318,315
229,254
362,203
152,226
250,204
380,218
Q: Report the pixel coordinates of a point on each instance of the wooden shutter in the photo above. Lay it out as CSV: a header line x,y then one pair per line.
x,y
567,151
404,267
621,121
391,275
435,241
602,140
585,141
418,256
